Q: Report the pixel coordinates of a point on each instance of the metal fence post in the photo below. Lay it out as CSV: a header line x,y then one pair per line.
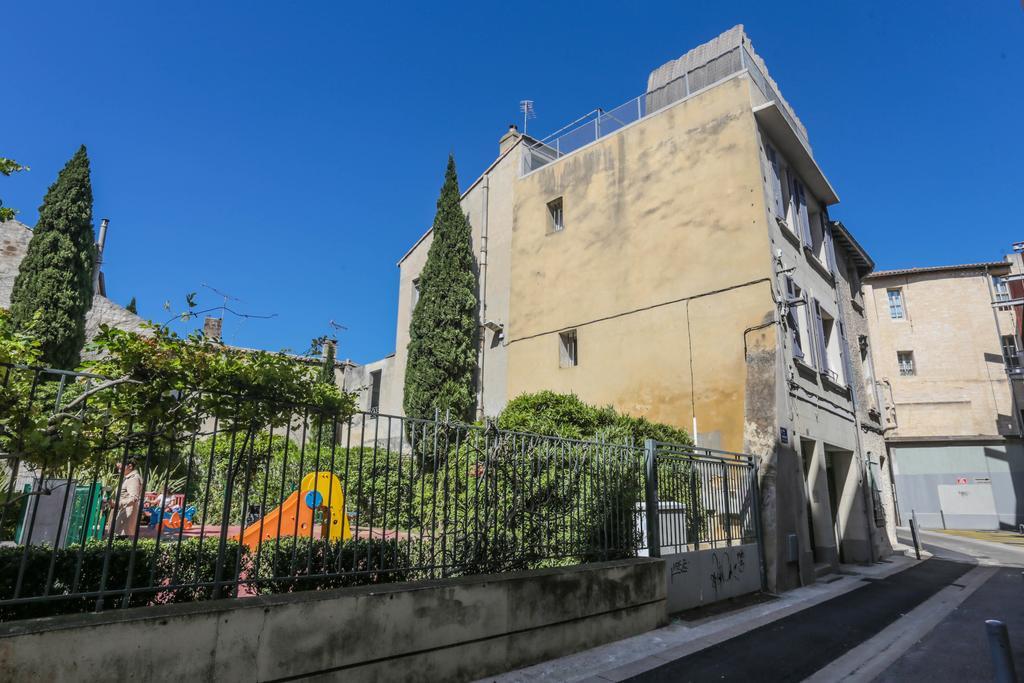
x,y
698,513
725,493
999,648
756,493
651,499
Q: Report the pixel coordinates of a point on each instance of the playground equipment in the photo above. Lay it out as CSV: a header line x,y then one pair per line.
x,y
70,514
319,491
173,517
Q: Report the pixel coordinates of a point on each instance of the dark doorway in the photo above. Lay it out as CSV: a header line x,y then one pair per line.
x,y
807,458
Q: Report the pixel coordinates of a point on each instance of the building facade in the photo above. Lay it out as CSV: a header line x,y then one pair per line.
x,y
949,356
674,258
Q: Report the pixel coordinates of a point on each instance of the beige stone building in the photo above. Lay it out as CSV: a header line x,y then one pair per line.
x,y
674,257
948,355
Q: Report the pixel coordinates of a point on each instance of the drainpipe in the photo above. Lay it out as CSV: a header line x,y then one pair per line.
x,y
483,297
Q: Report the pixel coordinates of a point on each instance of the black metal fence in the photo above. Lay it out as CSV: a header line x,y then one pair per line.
x,y
119,515
705,498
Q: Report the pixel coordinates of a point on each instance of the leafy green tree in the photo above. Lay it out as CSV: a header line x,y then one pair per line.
x,y
7,167
443,333
54,282
132,307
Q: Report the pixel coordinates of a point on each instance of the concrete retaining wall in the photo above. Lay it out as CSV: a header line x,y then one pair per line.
x,y
451,629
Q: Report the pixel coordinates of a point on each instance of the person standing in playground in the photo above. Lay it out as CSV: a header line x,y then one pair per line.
x,y
126,514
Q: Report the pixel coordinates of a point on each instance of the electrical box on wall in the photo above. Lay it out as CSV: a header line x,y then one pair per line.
x,y
792,548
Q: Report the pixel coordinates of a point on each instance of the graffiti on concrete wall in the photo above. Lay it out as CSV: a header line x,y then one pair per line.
x,y
704,576
678,568
727,564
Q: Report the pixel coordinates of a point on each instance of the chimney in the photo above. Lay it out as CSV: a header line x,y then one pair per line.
x,y
508,139
212,327
330,349
98,286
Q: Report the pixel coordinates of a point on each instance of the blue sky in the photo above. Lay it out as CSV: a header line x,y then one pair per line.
x,y
289,153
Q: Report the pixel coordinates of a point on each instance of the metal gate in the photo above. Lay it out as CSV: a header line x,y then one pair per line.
x,y
698,499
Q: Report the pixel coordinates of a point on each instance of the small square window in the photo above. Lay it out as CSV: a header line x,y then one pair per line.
x,y
557,215
568,349
895,303
906,363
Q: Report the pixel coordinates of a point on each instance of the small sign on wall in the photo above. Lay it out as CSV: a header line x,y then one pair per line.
x,y
784,435
961,481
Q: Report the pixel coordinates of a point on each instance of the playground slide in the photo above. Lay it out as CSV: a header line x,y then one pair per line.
x,y
296,515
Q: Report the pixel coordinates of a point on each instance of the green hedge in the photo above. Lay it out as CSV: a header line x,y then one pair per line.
x,y
316,564
565,415
150,568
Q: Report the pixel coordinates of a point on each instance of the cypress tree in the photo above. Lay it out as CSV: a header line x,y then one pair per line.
x,y
327,368
443,333
55,277
132,307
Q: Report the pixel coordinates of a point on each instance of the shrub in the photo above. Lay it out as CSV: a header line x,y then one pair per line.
x,y
565,415
193,563
305,564
85,563
79,569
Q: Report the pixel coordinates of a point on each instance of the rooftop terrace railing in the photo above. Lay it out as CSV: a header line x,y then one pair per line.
x,y
600,122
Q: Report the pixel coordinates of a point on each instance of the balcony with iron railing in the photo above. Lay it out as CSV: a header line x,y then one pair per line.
x,y
600,123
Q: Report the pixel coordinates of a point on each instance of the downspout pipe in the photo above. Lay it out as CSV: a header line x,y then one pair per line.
x,y
482,342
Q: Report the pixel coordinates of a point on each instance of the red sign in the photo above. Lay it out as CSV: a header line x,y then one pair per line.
x,y
961,480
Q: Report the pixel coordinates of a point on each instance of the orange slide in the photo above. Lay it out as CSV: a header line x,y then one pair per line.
x,y
295,516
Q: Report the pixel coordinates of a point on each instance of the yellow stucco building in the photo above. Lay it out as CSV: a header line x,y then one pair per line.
x,y
673,257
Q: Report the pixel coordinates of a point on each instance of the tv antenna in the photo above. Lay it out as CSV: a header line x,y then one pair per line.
x,y
223,308
227,297
526,106
337,327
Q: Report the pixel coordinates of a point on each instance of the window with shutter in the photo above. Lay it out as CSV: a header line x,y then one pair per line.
x,y
812,342
830,250
844,354
792,321
819,338
801,213
775,181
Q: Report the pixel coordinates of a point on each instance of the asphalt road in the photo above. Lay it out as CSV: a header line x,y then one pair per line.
x,y
957,649
796,646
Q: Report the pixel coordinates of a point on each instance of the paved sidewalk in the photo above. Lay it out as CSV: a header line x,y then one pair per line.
x,y
685,637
